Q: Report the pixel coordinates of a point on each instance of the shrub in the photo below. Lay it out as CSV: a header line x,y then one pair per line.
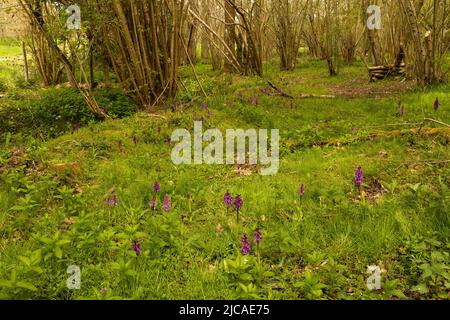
x,y
55,111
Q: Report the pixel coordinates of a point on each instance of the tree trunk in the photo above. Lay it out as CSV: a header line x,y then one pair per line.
x,y
230,35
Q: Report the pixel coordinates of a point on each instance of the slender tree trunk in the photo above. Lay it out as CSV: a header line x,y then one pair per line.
x,y
25,62
230,35
372,36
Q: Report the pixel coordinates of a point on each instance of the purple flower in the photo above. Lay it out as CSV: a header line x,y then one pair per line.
x,y
153,203
436,104
76,127
301,191
245,245
156,187
166,203
228,199
136,247
358,177
204,106
353,129
238,202
175,106
257,236
402,111
158,129
113,201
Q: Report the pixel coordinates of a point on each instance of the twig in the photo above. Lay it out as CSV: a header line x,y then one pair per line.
x,y
436,121
192,65
281,92
307,95
159,97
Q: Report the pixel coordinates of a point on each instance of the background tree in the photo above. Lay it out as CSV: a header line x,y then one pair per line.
x,y
288,17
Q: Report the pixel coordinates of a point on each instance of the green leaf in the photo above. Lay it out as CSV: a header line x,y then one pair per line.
x,y
131,273
427,271
37,269
26,285
398,294
5,284
36,256
115,266
62,242
244,287
268,274
25,260
141,235
246,277
58,252
46,240
421,288
320,286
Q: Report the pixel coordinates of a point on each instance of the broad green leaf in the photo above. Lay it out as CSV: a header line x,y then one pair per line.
x,y
25,260
421,288
26,285
58,252
5,284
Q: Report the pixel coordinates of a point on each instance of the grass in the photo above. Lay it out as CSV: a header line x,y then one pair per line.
x,y
9,51
53,212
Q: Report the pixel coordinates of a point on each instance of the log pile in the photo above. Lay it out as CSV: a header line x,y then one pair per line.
x,y
397,69
383,72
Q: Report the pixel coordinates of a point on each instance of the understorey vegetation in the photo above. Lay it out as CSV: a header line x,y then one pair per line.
x,y
92,205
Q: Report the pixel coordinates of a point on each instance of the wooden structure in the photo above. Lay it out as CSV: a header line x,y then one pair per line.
x,y
397,69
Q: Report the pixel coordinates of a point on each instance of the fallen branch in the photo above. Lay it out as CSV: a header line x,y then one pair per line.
x,y
302,96
372,135
184,106
436,121
280,92
308,95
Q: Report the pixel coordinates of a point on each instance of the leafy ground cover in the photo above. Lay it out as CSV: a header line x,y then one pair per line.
x,y
88,197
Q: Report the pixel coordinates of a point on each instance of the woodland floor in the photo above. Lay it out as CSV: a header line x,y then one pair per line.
x,y
53,191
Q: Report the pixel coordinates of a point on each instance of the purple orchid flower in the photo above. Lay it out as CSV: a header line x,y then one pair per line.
x,y
358,177
257,236
228,200
153,203
136,247
436,104
156,187
301,191
245,245
113,201
166,203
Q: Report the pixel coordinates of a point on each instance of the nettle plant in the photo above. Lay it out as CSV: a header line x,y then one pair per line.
x,y
428,260
247,272
23,277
